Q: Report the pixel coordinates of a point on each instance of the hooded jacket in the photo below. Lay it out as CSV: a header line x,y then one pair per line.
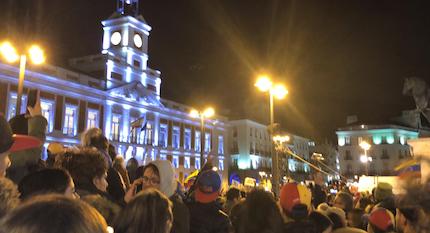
x,y
168,185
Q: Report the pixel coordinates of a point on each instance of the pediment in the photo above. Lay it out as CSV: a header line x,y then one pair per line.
x,y
136,91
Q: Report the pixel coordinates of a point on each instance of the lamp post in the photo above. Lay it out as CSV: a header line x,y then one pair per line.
x,y
279,140
365,158
10,54
279,91
207,113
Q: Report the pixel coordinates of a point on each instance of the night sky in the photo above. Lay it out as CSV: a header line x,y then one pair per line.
x,y
337,58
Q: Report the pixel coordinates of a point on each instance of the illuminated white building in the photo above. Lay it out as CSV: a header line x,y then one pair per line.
x,y
249,143
387,148
112,89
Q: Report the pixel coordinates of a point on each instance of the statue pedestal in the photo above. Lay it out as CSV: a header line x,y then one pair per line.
x,y
421,149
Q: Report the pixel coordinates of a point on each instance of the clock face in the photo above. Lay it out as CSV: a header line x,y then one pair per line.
x,y
137,40
115,38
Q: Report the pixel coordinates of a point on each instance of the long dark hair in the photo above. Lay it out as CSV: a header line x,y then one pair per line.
x,y
149,212
259,213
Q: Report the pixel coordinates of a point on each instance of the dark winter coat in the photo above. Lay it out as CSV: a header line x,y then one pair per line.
x,y
208,218
181,215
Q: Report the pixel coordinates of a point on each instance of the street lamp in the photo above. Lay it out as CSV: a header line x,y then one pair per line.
x,y
279,141
364,158
264,84
207,113
10,54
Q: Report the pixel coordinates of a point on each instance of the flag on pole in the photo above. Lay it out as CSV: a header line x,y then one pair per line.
x,y
409,169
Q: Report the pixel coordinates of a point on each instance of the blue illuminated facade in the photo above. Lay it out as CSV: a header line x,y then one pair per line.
x,y
113,89
388,148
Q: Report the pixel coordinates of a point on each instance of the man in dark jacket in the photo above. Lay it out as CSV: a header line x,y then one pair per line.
x,y
318,194
206,215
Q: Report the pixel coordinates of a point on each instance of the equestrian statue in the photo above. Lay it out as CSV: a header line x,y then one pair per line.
x,y
420,91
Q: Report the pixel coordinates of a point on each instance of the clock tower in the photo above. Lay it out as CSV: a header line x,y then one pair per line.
x,y
125,43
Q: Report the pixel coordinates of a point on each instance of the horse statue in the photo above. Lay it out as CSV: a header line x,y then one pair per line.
x,y
420,91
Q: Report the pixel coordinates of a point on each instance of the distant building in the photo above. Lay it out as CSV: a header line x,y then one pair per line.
x,y
249,144
388,147
331,158
113,89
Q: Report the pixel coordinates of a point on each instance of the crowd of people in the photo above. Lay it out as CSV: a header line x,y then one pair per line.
x,y
89,189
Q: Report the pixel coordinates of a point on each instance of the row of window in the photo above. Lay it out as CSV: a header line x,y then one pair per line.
x,y
137,136
384,154
258,133
376,140
143,154
146,136
259,149
70,114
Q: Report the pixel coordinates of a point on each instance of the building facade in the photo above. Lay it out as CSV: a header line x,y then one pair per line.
x,y
388,146
117,92
250,145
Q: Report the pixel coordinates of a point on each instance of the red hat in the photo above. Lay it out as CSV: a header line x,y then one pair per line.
x,y
293,194
382,219
13,142
208,186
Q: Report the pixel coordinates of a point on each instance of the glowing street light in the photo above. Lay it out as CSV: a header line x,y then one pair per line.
x,y
207,113
10,54
365,158
36,55
279,91
281,138
365,145
263,83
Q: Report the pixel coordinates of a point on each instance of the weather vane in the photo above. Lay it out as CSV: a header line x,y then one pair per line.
x,y
128,7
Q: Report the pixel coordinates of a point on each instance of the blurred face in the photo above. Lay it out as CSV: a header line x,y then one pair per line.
x,y
4,163
150,179
338,203
70,191
101,182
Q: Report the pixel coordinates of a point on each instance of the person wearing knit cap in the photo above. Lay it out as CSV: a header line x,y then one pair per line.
x,y
33,124
383,191
12,143
384,197
295,200
206,213
381,220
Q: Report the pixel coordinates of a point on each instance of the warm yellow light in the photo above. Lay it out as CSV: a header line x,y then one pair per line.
x,y
9,52
279,91
365,145
209,112
263,83
36,55
281,138
194,113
